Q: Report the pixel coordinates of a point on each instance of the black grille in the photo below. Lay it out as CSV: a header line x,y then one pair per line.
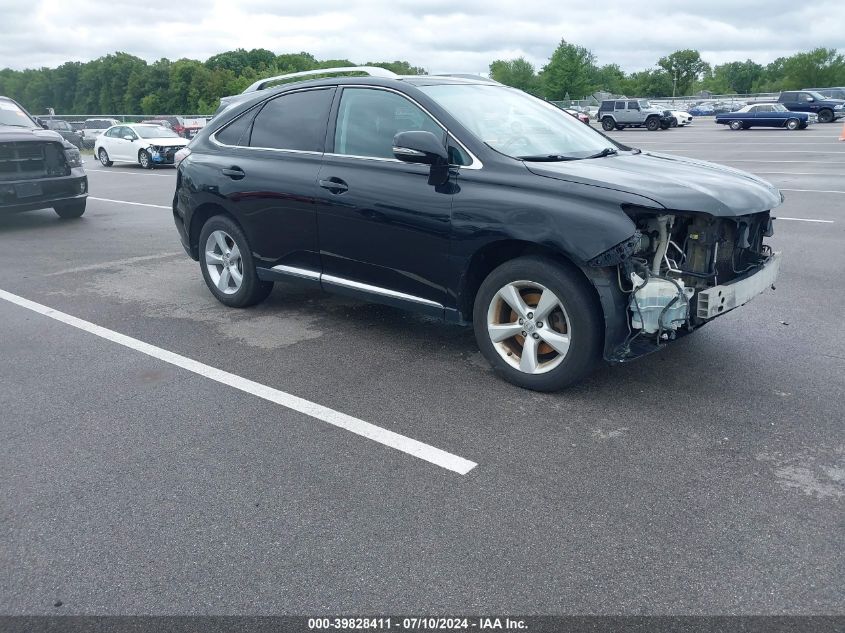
x,y
30,160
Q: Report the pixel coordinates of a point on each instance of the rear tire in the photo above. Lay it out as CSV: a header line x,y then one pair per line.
x,y
70,210
736,125
607,124
652,124
227,265
562,321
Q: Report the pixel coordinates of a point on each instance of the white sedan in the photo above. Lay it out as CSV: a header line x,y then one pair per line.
x,y
683,118
142,143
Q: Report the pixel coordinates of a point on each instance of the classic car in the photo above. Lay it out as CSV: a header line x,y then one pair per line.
x,y
765,115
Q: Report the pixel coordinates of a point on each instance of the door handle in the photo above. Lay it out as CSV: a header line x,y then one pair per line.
x,y
235,173
335,185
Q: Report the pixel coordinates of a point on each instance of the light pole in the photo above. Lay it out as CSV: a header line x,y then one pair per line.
x,y
674,85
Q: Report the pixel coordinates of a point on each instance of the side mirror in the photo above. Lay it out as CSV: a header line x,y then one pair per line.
x,y
128,137
42,123
420,147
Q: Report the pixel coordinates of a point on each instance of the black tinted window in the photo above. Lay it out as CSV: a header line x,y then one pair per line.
x,y
293,121
633,105
368,120
237,132
620,105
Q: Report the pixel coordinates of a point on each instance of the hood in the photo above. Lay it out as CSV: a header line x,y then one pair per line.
x,y
14,134
672,182
167,141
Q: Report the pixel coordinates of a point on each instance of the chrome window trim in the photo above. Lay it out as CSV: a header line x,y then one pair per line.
x,y
213,137
476,162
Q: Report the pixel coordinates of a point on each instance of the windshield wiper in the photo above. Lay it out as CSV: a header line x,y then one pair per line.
x,y
607,151
547,158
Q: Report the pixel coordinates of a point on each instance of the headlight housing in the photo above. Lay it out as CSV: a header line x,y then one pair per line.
x,y
73,157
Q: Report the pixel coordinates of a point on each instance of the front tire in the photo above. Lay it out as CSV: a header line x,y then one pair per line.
x,y
538,323
70,210
793,124
145,160
227,265
103,155
652,124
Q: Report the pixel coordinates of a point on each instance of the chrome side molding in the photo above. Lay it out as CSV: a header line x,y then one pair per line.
x,y
313,275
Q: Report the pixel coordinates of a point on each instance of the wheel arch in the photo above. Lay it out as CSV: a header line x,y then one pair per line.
x,y
202,214
601,281
494,254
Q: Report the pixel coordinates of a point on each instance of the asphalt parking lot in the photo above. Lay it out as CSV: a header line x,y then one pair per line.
x,y
706,479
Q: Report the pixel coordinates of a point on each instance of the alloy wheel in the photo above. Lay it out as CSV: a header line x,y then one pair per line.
x,y
528,326
224,262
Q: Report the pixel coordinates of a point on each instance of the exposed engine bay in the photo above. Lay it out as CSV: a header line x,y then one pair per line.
x,y
682,269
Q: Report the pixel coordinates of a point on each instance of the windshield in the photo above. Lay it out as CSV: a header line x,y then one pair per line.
x,y
154,131
11,114
644,104
59,125
817,96
517,124
777,107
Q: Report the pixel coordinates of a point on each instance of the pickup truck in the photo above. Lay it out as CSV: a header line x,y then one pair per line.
x,y
828,110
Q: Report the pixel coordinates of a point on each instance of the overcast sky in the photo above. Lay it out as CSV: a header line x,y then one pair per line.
x,y
440,35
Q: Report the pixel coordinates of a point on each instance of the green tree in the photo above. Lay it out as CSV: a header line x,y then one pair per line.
x,y
685,67
609,78
814,69
518,73
571,70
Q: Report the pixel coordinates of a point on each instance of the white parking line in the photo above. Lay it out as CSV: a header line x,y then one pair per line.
x,y
139,204
336,418
805,220
129,173
814,190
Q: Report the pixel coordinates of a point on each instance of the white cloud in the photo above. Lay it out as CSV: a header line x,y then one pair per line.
x,y
440,35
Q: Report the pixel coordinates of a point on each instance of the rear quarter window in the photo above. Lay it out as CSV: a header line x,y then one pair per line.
x,y
293,121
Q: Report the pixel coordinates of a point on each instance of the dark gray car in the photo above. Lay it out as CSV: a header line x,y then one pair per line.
x,y
64,129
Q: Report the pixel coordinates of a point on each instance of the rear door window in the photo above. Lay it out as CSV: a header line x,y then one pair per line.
x,y
293,121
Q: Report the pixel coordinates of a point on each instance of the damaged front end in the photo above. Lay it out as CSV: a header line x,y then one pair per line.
x,y
681,269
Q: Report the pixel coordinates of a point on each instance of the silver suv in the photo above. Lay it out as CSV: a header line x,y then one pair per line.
x,y
622,113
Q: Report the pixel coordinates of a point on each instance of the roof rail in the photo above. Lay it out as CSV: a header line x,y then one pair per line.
x,y
468,76
372,71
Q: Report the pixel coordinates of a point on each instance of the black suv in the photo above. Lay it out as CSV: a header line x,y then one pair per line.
x,y
471,201
38,168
